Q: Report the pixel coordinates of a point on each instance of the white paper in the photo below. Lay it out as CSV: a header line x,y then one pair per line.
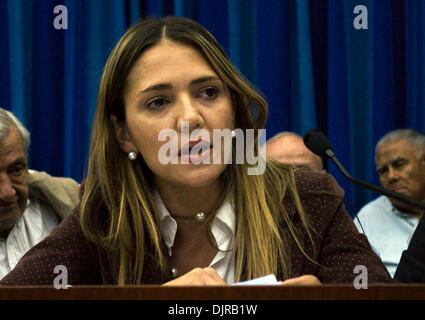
x,y
266,280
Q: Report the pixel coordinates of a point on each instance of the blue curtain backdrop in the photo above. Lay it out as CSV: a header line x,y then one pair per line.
x,y
314,67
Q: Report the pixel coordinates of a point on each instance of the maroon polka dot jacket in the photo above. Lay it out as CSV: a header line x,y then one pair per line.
x,y
339,247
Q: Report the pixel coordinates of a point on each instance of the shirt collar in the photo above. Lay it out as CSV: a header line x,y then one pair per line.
x,y
223,226
163,212
402,214
227,219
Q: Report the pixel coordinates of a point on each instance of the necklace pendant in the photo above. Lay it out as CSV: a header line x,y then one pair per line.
x,y
200,216
174,272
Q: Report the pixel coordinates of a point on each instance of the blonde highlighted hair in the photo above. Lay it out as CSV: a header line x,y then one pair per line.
x,y
122,190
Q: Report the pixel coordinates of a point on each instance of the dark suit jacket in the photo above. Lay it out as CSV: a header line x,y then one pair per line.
x,y
339,246
411,267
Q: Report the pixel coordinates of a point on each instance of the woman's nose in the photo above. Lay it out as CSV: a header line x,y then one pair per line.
x,y
188,114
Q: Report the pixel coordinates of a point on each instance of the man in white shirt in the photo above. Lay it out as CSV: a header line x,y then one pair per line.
x,y
389,224
31,203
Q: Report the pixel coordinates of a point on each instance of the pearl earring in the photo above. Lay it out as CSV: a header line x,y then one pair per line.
x,y
132,155
233,134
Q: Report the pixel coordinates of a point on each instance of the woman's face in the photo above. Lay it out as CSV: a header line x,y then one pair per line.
x,y
172,86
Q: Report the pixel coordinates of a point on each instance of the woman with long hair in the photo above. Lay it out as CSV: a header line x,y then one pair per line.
x,y
176,217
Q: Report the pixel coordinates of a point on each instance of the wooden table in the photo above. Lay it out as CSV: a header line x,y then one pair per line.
x,y
323,292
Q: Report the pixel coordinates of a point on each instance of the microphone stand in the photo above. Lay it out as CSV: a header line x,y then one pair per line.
x,y
388,193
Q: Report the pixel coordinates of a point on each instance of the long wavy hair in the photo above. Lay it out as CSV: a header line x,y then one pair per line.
x,y
129,226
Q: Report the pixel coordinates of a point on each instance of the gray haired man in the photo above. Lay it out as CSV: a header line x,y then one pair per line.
x,y
389,224
31,203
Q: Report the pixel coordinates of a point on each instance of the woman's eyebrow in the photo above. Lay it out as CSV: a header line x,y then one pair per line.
x,y
155,87
166,86
204,79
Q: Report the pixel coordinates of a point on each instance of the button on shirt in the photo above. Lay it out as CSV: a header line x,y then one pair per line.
x,y
389,231
223,230
33,226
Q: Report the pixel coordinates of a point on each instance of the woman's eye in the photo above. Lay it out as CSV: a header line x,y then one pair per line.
x,y
209,93
156,103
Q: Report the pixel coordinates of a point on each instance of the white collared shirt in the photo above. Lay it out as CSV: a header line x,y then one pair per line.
x,y
388,230
223,230
34,225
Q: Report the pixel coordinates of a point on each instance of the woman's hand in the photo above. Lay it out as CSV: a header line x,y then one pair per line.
x,y
306,280
198,277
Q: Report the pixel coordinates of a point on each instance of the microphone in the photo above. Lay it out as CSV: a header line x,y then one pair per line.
x,y
316,141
